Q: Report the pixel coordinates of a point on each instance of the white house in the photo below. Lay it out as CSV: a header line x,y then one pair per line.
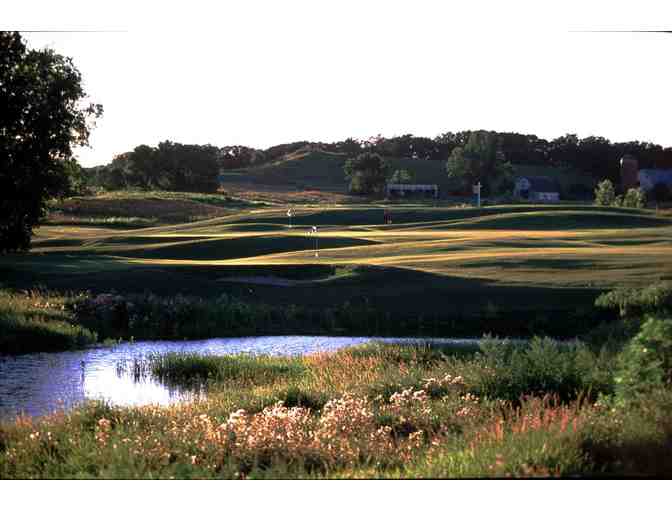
x,y
536,188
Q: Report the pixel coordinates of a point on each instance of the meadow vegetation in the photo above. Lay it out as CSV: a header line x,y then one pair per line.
x,y
373,411
596,406
40,321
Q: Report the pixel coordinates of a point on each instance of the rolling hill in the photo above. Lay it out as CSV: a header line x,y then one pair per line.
x,y
321,170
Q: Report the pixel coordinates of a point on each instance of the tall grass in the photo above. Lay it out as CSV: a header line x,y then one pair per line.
x,y
329,415
240,370
40,321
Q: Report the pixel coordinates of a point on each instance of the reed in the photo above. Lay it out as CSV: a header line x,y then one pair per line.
x,y
373,411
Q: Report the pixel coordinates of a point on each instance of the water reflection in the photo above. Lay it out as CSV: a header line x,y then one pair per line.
x,y
40,383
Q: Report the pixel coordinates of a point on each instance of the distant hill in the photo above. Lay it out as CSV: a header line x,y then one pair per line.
x,y
321,170
310,169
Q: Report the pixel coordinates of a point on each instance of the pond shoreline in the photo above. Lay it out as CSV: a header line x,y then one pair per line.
x,y
38,381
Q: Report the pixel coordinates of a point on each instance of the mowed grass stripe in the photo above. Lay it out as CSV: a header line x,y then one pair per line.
x,y
335,256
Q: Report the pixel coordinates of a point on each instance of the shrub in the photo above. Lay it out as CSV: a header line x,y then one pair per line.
x,y
510,372
605,193
646,362
634,197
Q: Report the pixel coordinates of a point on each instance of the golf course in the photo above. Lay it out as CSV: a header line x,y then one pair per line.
x,y
444,268
436,251
489,409
302,242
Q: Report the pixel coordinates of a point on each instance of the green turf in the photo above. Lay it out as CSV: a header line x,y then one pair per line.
x,y
430,260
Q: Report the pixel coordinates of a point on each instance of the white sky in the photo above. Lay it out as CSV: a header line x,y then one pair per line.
x,y
260,73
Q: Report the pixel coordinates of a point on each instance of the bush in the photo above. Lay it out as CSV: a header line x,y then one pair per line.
x,y
646,362
605,193
510,372
635,198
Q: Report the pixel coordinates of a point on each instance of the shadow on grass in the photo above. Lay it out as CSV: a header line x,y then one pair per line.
x,y
385,289
536,264
498,217
241,247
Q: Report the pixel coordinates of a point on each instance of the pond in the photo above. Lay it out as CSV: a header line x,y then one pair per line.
x,y
40,383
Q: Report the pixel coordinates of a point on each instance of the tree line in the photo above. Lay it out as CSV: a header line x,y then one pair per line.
x,y
169,166
175,166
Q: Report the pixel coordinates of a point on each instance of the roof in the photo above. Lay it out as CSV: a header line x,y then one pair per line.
x,y
412,187
661,173
542,184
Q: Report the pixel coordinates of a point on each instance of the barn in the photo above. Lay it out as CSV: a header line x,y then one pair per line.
x,y
536,188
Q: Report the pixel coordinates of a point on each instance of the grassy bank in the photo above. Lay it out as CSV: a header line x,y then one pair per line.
x,y
375,411
48,321
40,321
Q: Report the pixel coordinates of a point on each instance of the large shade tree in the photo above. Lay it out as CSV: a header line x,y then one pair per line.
x,y
367,173
43,116
480,160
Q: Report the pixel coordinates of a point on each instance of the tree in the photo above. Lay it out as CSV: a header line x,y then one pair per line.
x,y
351,146
605,193
402,176
187,167
367,173
142,167
479,160
76,179
42,117
634,197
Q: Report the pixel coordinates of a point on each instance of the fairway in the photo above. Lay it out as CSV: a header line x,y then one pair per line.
x,y
431,259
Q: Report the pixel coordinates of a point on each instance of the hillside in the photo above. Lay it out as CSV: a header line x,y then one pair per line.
x,y
303,169
323,171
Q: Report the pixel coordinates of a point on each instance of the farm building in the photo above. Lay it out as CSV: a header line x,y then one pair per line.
x,y
649,177
537,188
629,172
400,190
